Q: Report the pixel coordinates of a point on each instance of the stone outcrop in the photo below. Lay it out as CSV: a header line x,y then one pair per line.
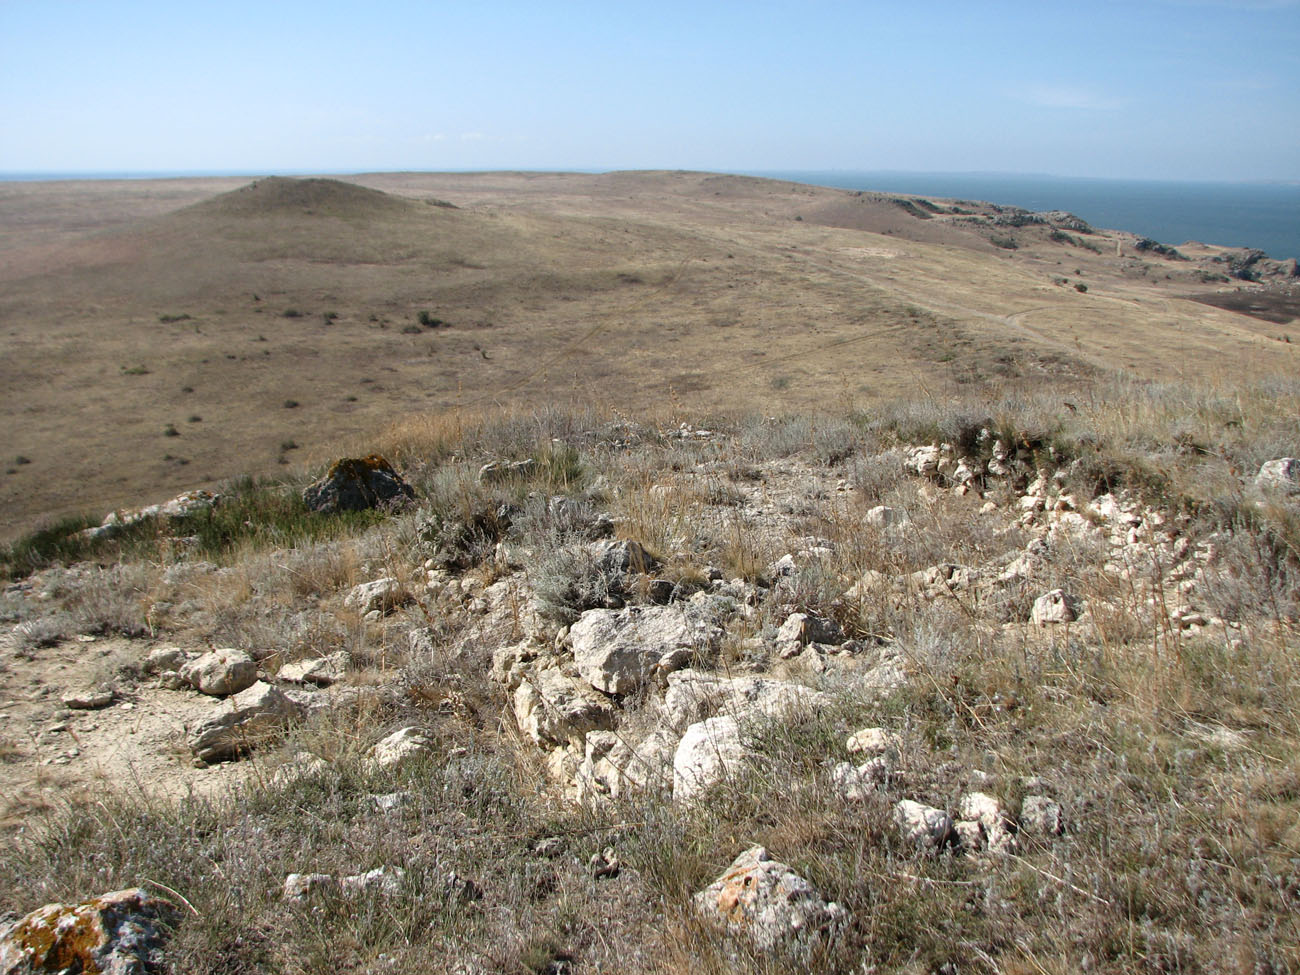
x,y
377,596
616,651
401,747
118,933
357,484
1056,606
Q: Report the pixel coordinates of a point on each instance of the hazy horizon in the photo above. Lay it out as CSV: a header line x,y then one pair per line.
x,y
1184,90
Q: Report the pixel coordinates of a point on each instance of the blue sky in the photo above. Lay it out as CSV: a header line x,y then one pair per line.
x,y
1164,89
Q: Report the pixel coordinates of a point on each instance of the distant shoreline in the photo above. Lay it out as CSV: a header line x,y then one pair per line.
x,y
1264,215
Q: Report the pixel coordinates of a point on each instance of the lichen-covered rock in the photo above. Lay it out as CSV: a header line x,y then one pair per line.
x,y
118,933
357,484
766,901
250,718
221,672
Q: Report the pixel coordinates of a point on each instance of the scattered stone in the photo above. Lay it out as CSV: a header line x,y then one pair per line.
x,y
874,741
299,887
495,471
1041,816
604,864
386,881
1281,475
984,809
191,502
884,517
248,719
164,659
378,596
766,901
856,784
391,802
708,753
801,629
401,747
1056,606
612,765
221,672
90,699
321,671
924,825
118,933
356,484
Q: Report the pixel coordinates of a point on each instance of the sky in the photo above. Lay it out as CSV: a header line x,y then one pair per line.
x,y
1159,89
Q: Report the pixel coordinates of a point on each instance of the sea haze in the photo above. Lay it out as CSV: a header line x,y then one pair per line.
x,y
1261,215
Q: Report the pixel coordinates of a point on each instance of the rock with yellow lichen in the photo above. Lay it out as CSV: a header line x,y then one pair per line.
x,y
357,484
118,933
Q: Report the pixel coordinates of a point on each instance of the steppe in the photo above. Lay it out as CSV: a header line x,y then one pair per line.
x,y
165,335
785,580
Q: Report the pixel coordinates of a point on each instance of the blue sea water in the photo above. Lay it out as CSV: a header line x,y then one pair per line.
x,y
1260,215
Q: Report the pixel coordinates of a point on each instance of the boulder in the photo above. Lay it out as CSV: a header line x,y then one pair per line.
x,y
1056,606
357,484
249,718
987,812
1281,475
856,784
613,766
553,708
221,672
400,747
693,696
618,650
924,825
765,901
118,933
380,595
164,659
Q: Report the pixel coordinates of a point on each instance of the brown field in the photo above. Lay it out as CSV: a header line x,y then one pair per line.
x,y
165,335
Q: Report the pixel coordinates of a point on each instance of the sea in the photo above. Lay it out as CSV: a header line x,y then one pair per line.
x,y
1265,216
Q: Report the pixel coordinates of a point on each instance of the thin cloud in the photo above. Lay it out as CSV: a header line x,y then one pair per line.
x,y
1066,96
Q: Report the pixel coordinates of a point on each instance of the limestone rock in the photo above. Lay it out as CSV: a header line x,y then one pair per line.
x,y
191,502
613,766
1056,606
618,650
801,629
89,699
708,753
1282,475
1041,816
380,595
401,747
221,672
766,901
164,659
874,741
493,472
247,719
299,887
321,671
884,517
552,707
382,880
356,484
856,784
693,696
118,933
984,809
924,825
